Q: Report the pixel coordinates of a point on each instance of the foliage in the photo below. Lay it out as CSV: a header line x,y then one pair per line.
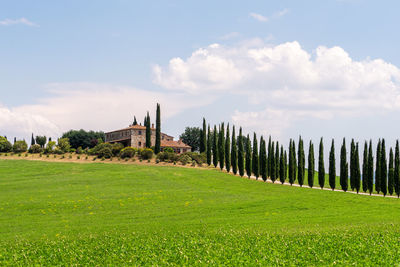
x,y
311,163
255,159
378,168
203,138
41,140
383,166
248,157
63,145
185,159
301,162
209,147
234,152
50,147
84,139
240,155
214,147
332,167
127,152
365,168
146,153
35,149
116,148
20,146
166,156
396,175
357,173
221,146
148,130
227,150
169,149
343,165
5,145
191,137
321,165
157,147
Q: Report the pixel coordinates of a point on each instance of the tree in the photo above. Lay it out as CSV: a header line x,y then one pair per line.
x,y
391,173
134,120
352,164
370,169
227,150
241,153
32,140
255,162
311,163
157,147
282,167
64,145
276,163
357,173
378,168
221,146
343,167
191,137
321,165
396,177
248,156
20,146
82,138
332,167
285,165
269,163
5,145
271,157
215,147
383,166
234,152
148,131
41,140
209,144
365,168
292,169
263,159
301,163
203,139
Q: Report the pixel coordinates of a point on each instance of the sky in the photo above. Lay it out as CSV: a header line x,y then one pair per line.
x,y
282,68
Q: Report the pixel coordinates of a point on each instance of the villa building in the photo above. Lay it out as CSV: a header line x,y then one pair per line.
x,y
135,136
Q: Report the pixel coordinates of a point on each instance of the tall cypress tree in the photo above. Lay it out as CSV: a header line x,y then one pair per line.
x,y
365,168
352,164
269,158
227,150
391,173
241,153
285,171
148,131
294,170
321,165
397,169
282,167
134,120
215,147
157,147
203,138
234,152
221,146
248,156
272,159
263,159
254,160
370,169
383,166
301,163
209,145
332,167
277,172
32,140
343,167
378,168
357,173
290,171
311,163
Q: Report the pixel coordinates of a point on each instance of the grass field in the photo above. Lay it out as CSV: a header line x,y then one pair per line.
x,y
98,214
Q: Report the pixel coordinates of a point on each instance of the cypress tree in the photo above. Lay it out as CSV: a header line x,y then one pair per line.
x,y
241,153
203,140
383,166
311,163
148,131
215,147
282,167
397,169
209,145
221,146
370,169
332,167
32,140
290,171
321,165
269,158
343,167
134,120
301,163
248,156
227,150
234,152
15,139
272,159
357,173
365,168
277,172
263,159
285,171
255,159
157,147
378,168
294,170
352,164
391,173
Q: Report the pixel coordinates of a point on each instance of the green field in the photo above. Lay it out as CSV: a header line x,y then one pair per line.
x,y
99,214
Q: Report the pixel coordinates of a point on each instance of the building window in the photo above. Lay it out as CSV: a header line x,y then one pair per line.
x,y
140,133
178,150
140,144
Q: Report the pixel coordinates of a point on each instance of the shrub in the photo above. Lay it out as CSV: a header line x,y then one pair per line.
x,y
168,149
146,153
63,145
5,145
105,152
167,156
20,146
198,158
34,149
79,150
116,148
101,146
58,151
50,147
127,152
185,159
72,150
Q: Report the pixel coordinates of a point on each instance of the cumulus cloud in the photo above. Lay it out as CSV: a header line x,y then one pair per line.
x,y
23,21
90,106
258,17
284,82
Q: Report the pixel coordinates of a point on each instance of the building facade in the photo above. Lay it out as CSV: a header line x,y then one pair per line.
x,y
135,136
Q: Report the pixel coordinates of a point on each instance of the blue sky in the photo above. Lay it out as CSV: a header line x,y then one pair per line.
x,y
95,64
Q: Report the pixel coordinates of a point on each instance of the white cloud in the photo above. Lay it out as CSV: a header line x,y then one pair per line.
x,y
276,15
283,83
258,17
23,21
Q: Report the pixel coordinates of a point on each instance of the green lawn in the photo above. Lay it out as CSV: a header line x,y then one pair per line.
x,y
97,214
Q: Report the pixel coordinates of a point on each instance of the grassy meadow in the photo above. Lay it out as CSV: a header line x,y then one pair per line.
x,y
54,213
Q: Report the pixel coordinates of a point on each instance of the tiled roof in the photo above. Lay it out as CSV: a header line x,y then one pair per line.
x,y
179,144
137,127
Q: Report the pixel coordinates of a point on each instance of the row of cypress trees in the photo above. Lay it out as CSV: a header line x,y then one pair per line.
x,y
246,157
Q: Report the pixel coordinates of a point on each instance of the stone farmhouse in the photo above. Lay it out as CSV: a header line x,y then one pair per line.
x,y
135,136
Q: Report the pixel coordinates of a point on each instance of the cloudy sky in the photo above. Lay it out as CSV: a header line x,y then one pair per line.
x,y
282,68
